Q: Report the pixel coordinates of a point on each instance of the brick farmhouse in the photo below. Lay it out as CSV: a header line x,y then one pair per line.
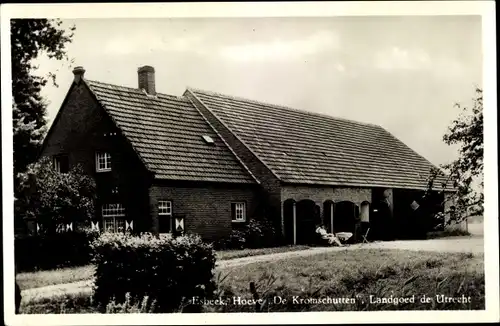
x,y
207,163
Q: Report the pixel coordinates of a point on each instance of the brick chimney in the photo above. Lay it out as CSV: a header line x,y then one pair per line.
x,y
78,72
146,76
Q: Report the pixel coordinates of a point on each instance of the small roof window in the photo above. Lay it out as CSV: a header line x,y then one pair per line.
x,y
208,139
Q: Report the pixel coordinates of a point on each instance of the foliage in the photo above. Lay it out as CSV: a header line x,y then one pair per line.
x,y
79,302
466,171
31,38
53,198
54,250
455,232
169,271
255,234
260,234
236,240
141,306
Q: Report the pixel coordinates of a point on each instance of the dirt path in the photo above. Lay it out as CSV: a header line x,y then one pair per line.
x,y
474,244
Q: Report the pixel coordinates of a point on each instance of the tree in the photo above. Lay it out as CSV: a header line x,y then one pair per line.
x,y
29,39
465,174
54,198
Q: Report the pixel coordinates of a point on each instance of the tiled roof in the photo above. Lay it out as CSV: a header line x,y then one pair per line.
x,y
167,133
309,148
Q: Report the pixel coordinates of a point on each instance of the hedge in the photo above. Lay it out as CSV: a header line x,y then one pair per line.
x,y
169,271
65,249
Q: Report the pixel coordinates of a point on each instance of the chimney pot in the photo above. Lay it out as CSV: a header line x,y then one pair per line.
x,y
79,72
146,76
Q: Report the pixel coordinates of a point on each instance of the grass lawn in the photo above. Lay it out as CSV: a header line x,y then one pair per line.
x,y
357,274
345,278
29,280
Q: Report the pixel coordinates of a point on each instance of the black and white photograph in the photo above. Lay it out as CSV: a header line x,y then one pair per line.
x,y
287,162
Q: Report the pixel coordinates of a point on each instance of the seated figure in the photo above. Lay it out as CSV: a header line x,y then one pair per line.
x,y
331,238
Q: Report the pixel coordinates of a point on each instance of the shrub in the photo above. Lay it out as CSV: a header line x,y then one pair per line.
x,y
52,198
260,234
256,234
55,250
140,306
169,271
235,240
448,233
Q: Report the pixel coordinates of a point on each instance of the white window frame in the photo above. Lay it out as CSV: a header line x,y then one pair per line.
x,y
106,159
113,216
165,211
240,212
56,161
57,164
165,207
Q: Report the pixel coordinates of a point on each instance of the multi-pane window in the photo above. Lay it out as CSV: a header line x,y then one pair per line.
x,y
103,161
113,217
165,207
238,212
165,216
61,163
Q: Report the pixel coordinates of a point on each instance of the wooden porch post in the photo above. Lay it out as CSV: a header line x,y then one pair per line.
x,y
283,219
294,223
331,218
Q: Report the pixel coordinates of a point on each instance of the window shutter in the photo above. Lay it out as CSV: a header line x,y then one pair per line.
x,y
233,211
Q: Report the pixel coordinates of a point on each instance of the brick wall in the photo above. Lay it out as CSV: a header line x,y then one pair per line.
x,y
206,207
82,128
269,182
320,194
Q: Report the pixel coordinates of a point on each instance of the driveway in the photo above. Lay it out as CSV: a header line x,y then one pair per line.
x,y
473,244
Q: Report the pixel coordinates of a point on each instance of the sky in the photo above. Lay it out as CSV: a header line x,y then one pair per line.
x,y
404,73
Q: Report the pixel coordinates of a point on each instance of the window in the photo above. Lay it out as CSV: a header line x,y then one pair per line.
x,y
164,207
208,139
103,161
238,212
164,216
61,163
113,217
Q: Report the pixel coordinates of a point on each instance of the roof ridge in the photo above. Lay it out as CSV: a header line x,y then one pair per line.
x,y
318,114
204,169
134,89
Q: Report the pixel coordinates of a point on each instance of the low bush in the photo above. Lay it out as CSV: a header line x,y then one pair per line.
x,y
169,271
261,234
255,234
54,250
448,233
235,240
139,306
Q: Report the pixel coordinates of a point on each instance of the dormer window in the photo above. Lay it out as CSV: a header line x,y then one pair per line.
x,y
103,161
208,139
